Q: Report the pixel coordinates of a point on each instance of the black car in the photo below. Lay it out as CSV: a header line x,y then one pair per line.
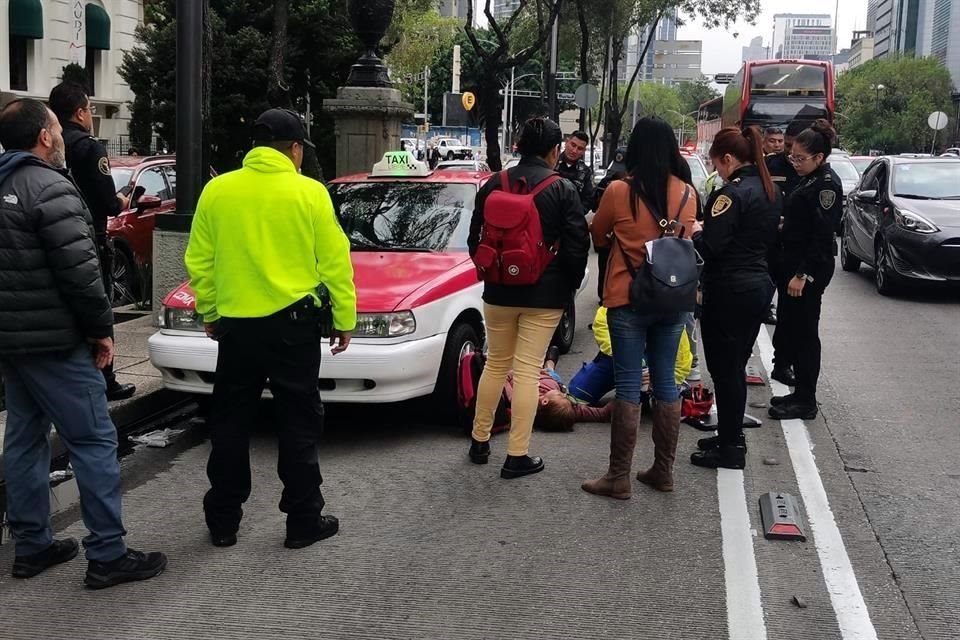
x,y
904,220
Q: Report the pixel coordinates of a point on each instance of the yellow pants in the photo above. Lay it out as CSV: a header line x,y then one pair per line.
x,y
517,337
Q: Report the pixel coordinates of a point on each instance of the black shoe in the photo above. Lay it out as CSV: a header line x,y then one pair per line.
x,y
117,391
479,452
58,552
771,317
326,527
553,354
713,442
721,457
794,410
784,375
130,567
776,401
519,466
223,539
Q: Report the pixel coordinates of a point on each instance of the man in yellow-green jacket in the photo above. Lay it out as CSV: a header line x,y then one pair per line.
x,y
264,240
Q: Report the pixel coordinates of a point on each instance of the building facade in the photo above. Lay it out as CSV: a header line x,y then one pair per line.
x,y
756,51
798,36
38,38
454,8
635,42
861,49
945,36
676,61
503,9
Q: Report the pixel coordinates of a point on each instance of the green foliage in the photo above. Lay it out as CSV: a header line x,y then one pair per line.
x,y
893,119
421,38
694,94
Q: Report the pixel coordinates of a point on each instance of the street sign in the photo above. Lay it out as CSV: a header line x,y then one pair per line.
x,y
781,517
938,120
468,100
586,96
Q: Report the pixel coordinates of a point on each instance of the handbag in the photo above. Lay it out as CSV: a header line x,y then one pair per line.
x,y
667,281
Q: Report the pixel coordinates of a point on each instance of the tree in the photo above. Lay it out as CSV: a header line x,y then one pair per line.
x,y
892,119
423,36
695,93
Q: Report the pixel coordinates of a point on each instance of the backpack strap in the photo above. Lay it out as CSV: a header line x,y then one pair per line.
x,y
546,182
505,181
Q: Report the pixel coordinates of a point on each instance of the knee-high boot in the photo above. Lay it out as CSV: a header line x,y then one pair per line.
x,y
666,431
623,438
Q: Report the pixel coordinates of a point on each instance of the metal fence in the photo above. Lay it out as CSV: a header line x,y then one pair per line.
x,y
123,146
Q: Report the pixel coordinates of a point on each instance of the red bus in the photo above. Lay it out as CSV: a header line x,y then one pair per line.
x,y
708,124
774,93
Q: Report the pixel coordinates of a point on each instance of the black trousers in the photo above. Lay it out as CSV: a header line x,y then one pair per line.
x,y
284,349
781,357
799,323
602,256
731,320
105,254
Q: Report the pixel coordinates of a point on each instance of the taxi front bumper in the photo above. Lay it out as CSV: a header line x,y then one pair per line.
x,y
366,373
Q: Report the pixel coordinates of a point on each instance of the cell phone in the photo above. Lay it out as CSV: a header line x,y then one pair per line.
x,y
125,191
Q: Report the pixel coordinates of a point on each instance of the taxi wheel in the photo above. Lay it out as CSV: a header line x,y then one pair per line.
x,y
566,330
461,339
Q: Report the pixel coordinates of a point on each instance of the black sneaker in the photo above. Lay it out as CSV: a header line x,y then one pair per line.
x,y
117,391
794,410
776,401
721,458
58,552
771,316
326,527
223,539
553,354
130,567
519,466
707,444
479,452
784,375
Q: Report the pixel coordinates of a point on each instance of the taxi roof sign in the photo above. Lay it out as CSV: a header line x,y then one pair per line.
x,y
400,164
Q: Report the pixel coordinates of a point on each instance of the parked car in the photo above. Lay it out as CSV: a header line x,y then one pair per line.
x,y
476,166
418,295
904,220
849,176
698,170
862,162
452,149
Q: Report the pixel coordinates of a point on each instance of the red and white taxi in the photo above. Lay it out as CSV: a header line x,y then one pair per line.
x,y
418,297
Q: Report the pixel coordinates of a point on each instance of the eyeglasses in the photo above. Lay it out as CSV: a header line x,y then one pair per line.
x,y
798,159
92,108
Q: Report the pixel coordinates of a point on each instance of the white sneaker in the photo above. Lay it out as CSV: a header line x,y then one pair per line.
x,y
694,375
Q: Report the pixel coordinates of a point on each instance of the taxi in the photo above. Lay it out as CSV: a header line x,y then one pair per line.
x,y
419,306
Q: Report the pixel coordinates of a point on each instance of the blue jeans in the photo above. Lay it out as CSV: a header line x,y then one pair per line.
x,y
68,390
635,334
594,380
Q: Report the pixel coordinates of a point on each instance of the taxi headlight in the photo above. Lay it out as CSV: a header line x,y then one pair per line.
x,y
181,319
385,325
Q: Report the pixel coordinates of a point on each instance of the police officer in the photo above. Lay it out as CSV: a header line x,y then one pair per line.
x,y
264,239
809,247
785,176
90,167
773,141
739,230
572,167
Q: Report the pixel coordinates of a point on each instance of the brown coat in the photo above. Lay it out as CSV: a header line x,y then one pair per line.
x,y
614,218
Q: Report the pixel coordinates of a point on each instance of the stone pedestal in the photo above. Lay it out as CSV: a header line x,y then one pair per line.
x,y
367,125
169,271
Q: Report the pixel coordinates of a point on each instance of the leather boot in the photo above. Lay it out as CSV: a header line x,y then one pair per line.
x,y
666,431
623,439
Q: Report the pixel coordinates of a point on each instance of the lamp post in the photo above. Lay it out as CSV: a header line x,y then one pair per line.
x,y
878,88
508,104
683,120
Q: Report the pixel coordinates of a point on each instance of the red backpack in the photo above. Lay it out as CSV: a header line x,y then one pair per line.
x,y
468,379
512,249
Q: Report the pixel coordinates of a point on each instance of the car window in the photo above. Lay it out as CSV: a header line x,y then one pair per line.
x,y
405,215
121,177
171,173
154,184
927,179
870,178
696,170
844,168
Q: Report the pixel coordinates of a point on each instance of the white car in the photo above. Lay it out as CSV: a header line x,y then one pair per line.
x,y
418,297
452,149
476,166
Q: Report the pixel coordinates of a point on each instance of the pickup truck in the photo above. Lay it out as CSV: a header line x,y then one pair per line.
x,y
453,149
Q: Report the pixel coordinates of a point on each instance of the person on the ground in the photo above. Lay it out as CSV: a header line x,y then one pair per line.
x,y
616,171
629,216
89,165
264,239
739,230
55,335
521,319
572,167
809,248
772,141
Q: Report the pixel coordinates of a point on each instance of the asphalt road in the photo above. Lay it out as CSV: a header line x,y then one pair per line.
x,y
434,547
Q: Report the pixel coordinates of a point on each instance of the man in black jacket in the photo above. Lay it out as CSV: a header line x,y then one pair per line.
x,y
90,167
572,167
55,326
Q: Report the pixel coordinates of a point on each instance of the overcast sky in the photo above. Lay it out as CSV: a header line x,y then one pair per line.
x,y
722,47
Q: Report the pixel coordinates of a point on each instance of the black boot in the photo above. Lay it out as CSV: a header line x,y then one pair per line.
x,y
771,317
519,466
553,354
323,528
479,451
708,444
721,457
776,401
117,391
131,566
58,552
784,375
223,539
794,409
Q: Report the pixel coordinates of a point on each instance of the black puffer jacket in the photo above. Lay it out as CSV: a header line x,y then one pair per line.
x,y
51,293
561,217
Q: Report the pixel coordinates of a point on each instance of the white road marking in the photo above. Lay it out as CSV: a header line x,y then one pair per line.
x,y
845,595
744,605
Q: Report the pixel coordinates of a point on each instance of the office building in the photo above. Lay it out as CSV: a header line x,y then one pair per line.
x,y
454,8
861,49
503,9
798,36
39,38
634,43
676,61
903,27
756,51
945,36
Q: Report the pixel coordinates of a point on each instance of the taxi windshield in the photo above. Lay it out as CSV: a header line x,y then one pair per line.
x,y
404,216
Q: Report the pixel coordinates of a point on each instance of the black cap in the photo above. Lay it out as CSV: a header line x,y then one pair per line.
x,y
280,125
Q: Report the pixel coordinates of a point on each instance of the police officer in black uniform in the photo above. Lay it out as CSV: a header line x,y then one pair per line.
x,y
784,176
739,230
90,167
572,167
811,214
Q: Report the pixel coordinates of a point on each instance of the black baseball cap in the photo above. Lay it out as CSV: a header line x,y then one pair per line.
x,y
280,125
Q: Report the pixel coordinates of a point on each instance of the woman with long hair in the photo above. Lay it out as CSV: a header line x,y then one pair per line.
x,y
629,216
739,231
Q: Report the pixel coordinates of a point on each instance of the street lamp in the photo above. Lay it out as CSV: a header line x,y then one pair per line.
x,y
683,120
879,88
508,104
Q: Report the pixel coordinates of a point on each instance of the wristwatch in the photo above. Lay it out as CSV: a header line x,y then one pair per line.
x,y
803,276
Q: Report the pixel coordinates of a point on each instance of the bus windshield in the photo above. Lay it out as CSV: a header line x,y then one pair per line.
x,y
786,79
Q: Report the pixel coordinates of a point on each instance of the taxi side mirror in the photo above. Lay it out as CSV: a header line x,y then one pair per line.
x,y
869,196
148,202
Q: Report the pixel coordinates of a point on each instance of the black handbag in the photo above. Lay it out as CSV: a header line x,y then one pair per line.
x,y
667,281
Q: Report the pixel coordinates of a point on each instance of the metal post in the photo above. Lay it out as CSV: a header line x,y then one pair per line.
x,y
552,79
189,104
426,96
513,91
308,121
503,119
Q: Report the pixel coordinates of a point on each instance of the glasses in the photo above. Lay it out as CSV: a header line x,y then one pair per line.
x,y
798,159
91,109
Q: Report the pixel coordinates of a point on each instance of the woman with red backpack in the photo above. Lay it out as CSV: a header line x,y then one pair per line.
x,y
529,240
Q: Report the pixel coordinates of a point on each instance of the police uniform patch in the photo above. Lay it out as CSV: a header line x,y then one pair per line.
x,y
104,166
720,206
827,198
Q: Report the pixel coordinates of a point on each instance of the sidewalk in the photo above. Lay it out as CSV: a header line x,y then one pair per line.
x,y
132,366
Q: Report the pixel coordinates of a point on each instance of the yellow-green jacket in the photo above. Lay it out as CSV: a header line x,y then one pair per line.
x,y
601,333
264,237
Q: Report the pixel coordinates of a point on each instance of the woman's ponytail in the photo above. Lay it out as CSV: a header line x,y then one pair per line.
x,y
753,137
